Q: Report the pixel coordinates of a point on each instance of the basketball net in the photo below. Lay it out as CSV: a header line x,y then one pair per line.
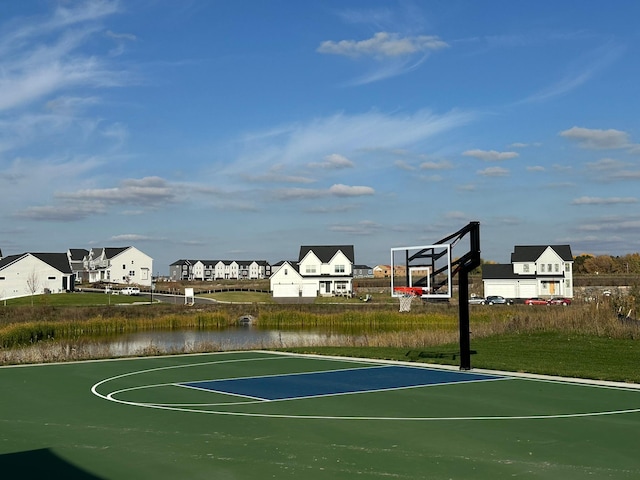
x,y
405,303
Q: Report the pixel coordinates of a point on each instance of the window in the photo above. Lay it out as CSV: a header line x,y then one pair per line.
x,y
2,278
556,267
124,267
339,269
549,267
286,271
542,268
132,273
51,278
310,269
525,268
567,267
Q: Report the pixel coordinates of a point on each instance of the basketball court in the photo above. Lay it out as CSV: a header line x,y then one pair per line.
x,y
258,414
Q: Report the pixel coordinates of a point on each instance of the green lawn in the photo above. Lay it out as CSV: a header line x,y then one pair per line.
x,y
74,299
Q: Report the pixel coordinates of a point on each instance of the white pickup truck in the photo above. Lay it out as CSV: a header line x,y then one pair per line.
x,y
130,291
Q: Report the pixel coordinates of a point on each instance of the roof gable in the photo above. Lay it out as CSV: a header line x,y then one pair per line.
x,y
326,252
59,261
531,253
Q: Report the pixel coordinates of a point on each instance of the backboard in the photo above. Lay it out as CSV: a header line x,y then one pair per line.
x,y
422,270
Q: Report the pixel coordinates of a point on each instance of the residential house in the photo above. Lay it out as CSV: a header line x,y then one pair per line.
x,y
35,274
324,270
122,265
181,270
534,271
362,271
76,260
219,270
382,271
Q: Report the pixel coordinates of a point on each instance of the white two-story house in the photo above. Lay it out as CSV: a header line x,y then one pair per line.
x,y
535,271
123,265
324,270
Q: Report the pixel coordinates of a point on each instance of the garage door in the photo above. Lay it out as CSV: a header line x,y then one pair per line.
x,y
310,290
286,291
528,290
506,290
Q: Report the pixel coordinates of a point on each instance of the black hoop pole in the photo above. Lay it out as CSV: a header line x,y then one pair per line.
x,y
469,262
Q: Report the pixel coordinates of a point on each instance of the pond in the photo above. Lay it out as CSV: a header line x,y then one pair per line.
x,y
227,339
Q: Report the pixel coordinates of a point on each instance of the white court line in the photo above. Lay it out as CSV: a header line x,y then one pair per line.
x,y
384,418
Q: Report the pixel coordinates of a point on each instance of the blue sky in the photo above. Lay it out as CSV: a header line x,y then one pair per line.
x,y
244,129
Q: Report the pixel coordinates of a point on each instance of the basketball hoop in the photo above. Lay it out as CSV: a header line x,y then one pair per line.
x,y
405,303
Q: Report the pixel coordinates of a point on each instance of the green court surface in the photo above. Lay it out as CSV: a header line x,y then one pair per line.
x,y
253,414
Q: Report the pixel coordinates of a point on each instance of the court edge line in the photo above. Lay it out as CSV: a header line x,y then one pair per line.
x,y
325,417
529,376
347,417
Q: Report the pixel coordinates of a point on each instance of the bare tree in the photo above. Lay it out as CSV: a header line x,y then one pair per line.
x,y
33,284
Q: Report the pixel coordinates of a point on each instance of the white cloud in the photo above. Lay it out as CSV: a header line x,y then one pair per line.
x,y
603,200
490,155
494,172
442,165
597,139
337,190
606,164
340,190
334,161
149,191
131,237
383,45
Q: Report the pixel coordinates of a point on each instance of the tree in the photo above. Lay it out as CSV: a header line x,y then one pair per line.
x,y
33,284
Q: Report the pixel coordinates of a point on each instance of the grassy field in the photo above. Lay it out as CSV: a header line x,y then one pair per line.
x,y
74,300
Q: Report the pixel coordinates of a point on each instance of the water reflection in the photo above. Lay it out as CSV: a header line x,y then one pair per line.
x,y
227,339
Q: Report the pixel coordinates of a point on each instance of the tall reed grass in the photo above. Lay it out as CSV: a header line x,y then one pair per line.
x,y
59,339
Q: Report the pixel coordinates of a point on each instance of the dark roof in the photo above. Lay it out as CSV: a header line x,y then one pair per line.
x,y
78,253
361,267
59,261
492,271
10,259
111,252
529,253
326,252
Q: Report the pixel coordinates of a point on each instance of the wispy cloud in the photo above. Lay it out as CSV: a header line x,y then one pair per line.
x,y
393,53
334,161
383,45
144,191
337,190
490,155
494,172
580,72
293,145
603,200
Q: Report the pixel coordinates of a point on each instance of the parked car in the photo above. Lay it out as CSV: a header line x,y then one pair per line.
x,y
535,301
497,300
560,301
130,291
476,300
